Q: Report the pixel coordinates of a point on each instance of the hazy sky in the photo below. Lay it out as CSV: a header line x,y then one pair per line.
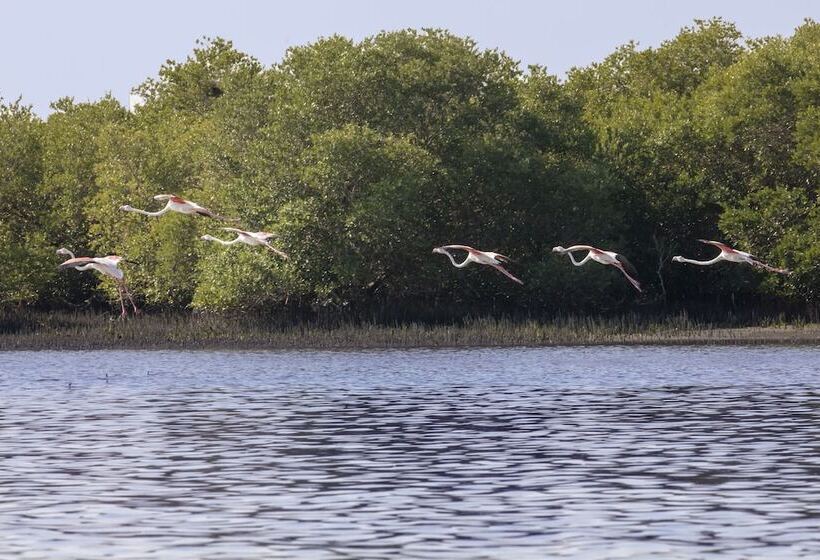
x,y
86,48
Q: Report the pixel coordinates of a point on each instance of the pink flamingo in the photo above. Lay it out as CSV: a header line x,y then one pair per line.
x,y
731,255
604,257
108,266
479,257
177,204
248,238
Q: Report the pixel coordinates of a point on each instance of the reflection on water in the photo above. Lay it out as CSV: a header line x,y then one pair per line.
x,y
493,453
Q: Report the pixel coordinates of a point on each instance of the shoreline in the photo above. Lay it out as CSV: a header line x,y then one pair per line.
x,y
60,331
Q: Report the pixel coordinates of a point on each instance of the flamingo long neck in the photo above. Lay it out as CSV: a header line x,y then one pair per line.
x,y
717,259
70,253
152,214
569,250
453,260
223,242
582,262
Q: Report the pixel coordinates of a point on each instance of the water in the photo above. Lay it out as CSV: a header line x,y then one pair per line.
x,y
490,453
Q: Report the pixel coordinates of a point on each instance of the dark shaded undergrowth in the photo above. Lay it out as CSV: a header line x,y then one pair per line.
x,y
38,330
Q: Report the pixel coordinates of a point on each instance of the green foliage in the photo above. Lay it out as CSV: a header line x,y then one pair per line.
x,y
365,217
70,155
783,223
195,86
696,127
26,267
170,145
760,115
29,265
363,156
69,184
22,167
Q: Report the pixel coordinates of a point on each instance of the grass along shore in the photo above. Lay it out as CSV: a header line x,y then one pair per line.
x,y
86,331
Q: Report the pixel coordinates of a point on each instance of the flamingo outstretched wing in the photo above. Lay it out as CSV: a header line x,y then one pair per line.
x,y
718,244
235,230
209,214
77,261
461,247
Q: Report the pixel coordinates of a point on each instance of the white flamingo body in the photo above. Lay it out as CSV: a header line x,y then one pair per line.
x,y
730,254
609,258
487,258
107,266
253,238
176,204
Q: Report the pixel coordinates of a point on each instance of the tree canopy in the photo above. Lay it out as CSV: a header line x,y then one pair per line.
x,y
362,156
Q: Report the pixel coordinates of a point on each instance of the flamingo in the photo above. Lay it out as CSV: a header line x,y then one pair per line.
x,y
604,257
177,204
731,255
108,266
248,238
480,257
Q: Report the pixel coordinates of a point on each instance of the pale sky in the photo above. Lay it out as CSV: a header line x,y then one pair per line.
x,y
85,48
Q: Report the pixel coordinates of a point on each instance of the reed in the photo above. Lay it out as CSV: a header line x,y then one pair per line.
x,y
79,331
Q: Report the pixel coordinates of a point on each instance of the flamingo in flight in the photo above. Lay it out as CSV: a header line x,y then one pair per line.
x,y
604,257
177,204
248,238
108,266
480,257
731,255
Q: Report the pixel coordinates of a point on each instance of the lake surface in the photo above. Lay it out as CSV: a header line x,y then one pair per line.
x,y
605,452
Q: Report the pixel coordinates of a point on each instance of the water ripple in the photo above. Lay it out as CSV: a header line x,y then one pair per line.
x,y
516,453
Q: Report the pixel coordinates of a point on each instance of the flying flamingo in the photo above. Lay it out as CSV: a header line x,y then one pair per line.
x,y
177,204
604,257
731,255
248,238
108,266
480,257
